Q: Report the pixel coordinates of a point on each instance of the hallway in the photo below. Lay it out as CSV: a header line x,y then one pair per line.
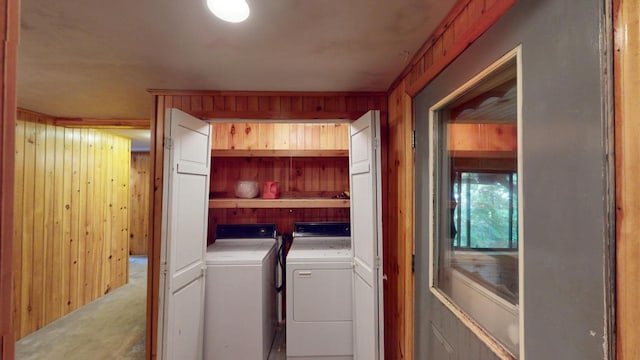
x,y
112,327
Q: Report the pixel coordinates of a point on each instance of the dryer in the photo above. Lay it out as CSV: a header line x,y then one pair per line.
x,y
240,293
319,280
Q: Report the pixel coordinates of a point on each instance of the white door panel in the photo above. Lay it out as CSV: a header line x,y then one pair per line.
x,y
366,237
364,211
191,145
185,329
184,236
365,338
187,220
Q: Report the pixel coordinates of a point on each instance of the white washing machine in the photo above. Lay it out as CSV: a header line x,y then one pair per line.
x,y
319,277
240,311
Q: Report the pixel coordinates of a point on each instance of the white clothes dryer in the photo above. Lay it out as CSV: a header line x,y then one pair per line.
x,y
240,308
319,278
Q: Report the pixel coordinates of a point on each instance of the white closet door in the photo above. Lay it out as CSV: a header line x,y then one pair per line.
x,y
366,236
184,236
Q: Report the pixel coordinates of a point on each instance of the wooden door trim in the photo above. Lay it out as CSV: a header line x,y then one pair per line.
x,y
627,124
8,105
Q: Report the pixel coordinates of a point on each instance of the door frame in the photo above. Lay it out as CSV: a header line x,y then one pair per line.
x,y
626,53
10,20
157,168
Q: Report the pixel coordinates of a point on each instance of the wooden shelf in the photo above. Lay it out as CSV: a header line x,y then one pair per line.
x,y
259,203
280,153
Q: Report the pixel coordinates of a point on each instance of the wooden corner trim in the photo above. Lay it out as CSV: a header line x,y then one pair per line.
x,y
471,35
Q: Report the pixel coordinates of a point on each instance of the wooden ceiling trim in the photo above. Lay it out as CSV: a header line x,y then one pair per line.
x,y
143,124
34,116
461,39
278,115
169,92
467,20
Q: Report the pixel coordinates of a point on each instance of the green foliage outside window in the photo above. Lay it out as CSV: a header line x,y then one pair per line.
x,y
486,210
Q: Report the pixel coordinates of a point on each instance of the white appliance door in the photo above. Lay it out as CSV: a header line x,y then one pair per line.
x,y
184,236
366,236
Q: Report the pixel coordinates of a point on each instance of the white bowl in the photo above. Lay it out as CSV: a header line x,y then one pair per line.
x,y
246,189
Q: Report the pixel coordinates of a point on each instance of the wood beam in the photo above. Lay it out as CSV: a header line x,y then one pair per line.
x,y
9,29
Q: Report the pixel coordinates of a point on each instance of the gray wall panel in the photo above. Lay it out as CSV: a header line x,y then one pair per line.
x,y
564,179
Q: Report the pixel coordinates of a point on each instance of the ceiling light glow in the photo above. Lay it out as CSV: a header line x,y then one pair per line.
x,y
234,11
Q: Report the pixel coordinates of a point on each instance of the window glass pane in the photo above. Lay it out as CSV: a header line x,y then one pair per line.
x,y
476,203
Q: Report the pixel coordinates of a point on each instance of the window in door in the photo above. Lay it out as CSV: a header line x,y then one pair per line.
x,y
475,187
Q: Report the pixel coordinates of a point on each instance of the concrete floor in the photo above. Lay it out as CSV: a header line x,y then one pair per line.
x,y
112,327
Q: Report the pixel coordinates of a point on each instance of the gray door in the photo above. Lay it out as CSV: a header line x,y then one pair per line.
x,y
565,173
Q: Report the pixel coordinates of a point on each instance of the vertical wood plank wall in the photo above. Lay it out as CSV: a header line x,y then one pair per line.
x,y
9,31
71,223
285,106
466,21
139,203
627,126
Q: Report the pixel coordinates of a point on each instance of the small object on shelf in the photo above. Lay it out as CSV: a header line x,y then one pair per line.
x,y
246,189
271,190
343,195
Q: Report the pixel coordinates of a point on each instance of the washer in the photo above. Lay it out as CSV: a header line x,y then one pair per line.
x,y
240,293
319,278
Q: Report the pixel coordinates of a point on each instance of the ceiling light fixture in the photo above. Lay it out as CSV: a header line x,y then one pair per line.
x,y
234,11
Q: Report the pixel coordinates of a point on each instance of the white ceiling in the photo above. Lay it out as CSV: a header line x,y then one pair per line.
x,y
97,58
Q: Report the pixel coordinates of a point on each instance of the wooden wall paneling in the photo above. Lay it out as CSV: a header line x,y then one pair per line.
x,y
139,204
251,134
17,228
61,242
98,218
107,207
82,220
123,199
66,263
37,293
627,125
51,239
58,230
27,229
118,220
265,136
117,224
74,240
88,216
126,153
281,137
